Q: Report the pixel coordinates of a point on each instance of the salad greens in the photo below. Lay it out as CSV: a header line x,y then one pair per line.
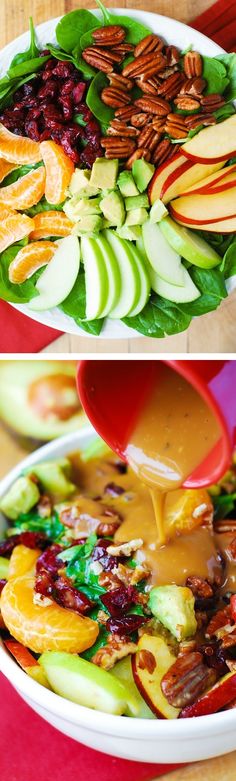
x,y
15,294
72,26
135,30
159,318
30,53
100,110
32,522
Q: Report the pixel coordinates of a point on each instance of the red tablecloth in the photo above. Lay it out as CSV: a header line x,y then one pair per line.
x,y
19,334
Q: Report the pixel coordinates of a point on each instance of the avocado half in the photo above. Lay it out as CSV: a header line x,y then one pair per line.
x,y
39,400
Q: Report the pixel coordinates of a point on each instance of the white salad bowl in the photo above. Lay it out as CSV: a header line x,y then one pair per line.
x,y
174,33
187,740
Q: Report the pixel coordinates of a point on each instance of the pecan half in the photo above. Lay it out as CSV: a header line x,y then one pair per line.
x,y
151,43
186,679
158,124
192,64
117,128
153,105
117,80
172,55
123,49
187,103
145,66
199,119
115,97
125,114
118,147
148,138
100,58
109,35
141,152
138,120
163,151
193,86
175,126
232,548
225,525
149,86
212,102
171,86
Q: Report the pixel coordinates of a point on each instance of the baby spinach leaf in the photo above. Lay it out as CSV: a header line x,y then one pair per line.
x,y
228,265
26,68
21,171
51,526
100,642
212,287
31,52
215,74
75,58
7,93
43,206
135,31
229,61
72,26
16,294
75,306
224,112
102,112
159,318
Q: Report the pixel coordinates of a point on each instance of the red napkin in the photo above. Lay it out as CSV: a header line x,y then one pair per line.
x,y
18,333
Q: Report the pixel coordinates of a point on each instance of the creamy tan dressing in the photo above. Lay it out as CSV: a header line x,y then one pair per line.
x,y
174,433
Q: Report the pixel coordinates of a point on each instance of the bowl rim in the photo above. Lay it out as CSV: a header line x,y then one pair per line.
x,y
79,714
55,318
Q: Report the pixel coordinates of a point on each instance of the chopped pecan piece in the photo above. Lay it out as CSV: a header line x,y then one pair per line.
x,y
130,576
109,35
192,64
107,529
146,661
186,679
149,44
125,548
193,86
44,506
199,587
116,648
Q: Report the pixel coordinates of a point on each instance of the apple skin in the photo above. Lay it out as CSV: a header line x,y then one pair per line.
x,y
221,694
222,226
196,223
212,144
161,174
208,160
169,191
148,681
211,183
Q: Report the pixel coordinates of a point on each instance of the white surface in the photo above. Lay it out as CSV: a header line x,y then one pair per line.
x,y
175,33
139,739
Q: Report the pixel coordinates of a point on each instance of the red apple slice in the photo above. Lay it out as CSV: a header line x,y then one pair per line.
x,y
192,209
149,664
222,226
162,173
216,698
185,176
213,144
211,182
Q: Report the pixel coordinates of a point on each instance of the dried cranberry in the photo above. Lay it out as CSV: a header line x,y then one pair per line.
x,y
44,584
28,89
126,625
214,656
99,554
69,597
114,490
69,150
7,546
63,69
51,112
67,106
119,600
2,584
32,130
44,53
78,92
34,113
34,540
50,89
45,135
49,560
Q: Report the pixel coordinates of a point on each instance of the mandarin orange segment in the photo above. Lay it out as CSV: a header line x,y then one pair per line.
x,y
51,223
26,191
192,508
59,170
6,168
44,627
18,149
14,227
29,259
6,212
22,561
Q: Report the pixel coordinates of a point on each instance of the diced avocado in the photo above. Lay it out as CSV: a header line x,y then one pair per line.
x,y
127,184
174,608
158,211
77,207
96,449
20,498
87,684
107,223
136,217
104,173
4,568
136,202
80,180
142,173
90,224
123,671
54,477
132,233
112,206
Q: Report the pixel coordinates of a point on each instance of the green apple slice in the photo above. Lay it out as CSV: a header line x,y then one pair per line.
x,y
145,281
163,259
85,683
130,277
113,273
123,671
191,247
96,278
59,276
179,295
